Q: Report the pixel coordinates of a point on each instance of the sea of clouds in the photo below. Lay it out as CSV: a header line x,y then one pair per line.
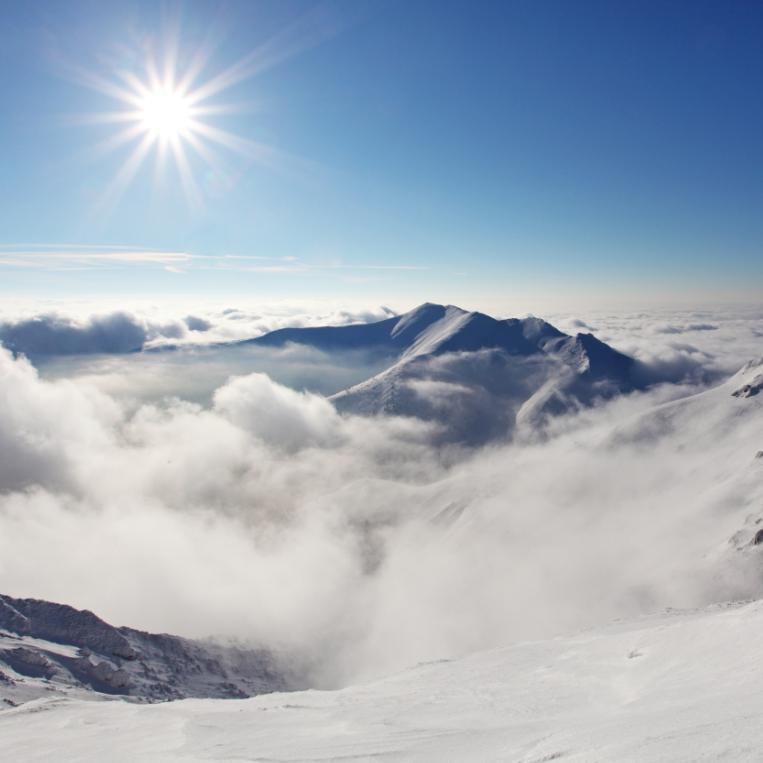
x,y
236,505
86,330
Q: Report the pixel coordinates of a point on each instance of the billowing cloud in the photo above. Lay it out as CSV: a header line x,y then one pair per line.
x,y
691,344
686,328
195,323
278,415
56,335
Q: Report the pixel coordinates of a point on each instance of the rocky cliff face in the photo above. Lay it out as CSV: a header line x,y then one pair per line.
x,y
53,648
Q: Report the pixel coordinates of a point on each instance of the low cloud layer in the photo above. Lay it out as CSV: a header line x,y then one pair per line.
x,y
354,546
54,333
700,345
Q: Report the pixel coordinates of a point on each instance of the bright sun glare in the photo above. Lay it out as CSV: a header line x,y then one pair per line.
x,y
166,108
166,114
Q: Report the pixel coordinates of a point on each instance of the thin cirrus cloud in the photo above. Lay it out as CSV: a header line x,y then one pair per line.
x,y
71,256
88,256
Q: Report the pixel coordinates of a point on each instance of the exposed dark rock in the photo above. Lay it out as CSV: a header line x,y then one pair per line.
x,y
28,662
751,389
123,661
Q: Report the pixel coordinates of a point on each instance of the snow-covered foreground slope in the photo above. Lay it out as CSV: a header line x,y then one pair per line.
x,y
679,686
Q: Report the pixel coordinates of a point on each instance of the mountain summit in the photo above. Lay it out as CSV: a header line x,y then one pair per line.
x,y
475,375
427,329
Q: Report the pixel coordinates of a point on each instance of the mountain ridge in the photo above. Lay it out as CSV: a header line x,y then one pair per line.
x,y
425,329
47,648
493,368
514,362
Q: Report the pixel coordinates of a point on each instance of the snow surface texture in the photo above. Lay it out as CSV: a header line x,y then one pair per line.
x,y
680,686
48,649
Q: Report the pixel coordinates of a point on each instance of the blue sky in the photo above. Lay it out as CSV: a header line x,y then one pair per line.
x,y
450,151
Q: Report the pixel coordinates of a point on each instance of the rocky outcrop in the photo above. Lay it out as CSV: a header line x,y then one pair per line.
x,y
63,647
751,389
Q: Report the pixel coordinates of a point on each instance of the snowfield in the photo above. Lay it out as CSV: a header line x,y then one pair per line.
x,y
678,686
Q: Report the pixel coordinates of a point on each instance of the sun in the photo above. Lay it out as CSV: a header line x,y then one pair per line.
x,y
166,114
168,109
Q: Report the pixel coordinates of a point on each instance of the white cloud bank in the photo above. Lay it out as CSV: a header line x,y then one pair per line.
x,y
705,343
52,331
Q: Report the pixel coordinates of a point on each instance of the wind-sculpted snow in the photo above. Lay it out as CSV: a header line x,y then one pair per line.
x,y
355,546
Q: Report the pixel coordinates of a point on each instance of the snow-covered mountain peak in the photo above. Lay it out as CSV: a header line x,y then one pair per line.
x,y
456,330
537,330
443,359
430,338
420,318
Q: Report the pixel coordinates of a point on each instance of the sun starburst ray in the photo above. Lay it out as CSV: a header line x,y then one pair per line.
x,y
168,108
127,172
189,185
126,135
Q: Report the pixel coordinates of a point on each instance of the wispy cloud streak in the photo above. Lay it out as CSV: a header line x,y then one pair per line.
x,y
74,256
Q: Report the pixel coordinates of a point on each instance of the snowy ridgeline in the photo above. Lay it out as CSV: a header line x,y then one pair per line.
x,y
52,650
476,376
680,686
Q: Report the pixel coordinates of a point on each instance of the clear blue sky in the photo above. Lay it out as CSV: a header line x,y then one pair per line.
x,y
480,148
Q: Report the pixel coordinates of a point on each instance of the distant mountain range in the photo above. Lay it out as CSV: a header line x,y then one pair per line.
x,y
478,377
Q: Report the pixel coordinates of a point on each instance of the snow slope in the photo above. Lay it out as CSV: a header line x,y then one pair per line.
x,y
678,686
